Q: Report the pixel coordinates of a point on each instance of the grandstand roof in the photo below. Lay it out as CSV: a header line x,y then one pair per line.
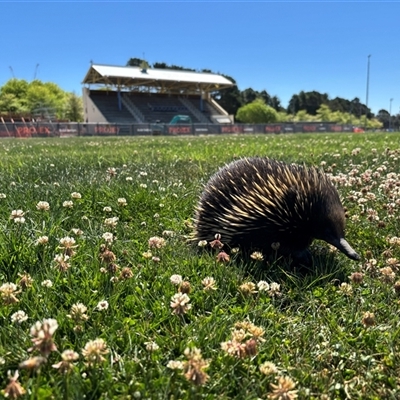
x,y
161,79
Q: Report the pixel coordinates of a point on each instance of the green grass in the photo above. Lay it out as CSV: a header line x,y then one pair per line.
x,y
313,331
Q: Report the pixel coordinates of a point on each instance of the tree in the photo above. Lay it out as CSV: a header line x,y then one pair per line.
x,y
134,62
10,103
266,97
13,96
229,99
45,99
284,117
324,113
339,104
275,103
384,117
74,108
257,112
249,95
163,65
302,116
308,101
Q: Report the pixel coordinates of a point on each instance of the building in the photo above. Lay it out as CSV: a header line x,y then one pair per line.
x,y
136,95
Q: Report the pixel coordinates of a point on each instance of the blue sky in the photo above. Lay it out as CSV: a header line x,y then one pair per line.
x,y
282,47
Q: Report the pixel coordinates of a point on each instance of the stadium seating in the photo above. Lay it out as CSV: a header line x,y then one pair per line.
x,y
107,103
150,107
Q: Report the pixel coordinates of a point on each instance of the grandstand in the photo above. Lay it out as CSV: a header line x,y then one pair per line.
x,y
129,95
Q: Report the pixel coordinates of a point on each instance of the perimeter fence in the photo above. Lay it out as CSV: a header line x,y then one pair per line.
x,y
65,129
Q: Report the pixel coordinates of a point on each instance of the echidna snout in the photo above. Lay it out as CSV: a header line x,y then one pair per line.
x,y
345,248
255,202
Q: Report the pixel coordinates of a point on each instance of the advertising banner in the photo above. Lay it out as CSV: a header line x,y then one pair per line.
x,y
204,129
231,128
7,130
179,129
142,129
273,128
68,129
65,129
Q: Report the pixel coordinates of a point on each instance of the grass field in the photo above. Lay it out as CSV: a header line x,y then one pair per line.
x,y
101,297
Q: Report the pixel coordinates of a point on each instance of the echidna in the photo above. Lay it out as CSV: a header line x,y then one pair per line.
x,y
255,202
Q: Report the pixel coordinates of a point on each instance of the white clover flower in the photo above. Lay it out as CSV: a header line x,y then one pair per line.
x,y
76,195
8,287
8,292
68,357
68,204
67,242
258,256
19,317
129,179
43,206
263,286
209,283
108,237
111,171
122,202
274,289
42,240
168,233
172,364
50,325
18,216
111,222
102,305
94,351
107,209
346,288
3,195
180,303
176,279
151,346
147,254
47,283
268,368
61,261
156,242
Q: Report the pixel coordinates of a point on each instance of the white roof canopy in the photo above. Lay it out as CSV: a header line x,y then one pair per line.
x,y
163,80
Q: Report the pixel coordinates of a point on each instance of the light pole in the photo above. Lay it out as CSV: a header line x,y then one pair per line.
x,y
366,97
390,115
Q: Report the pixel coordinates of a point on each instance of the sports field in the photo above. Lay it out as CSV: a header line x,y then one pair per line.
x,y
101,297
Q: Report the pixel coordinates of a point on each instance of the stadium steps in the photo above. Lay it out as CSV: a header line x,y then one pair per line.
x,y
107,103
209,108
137,114
194,110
